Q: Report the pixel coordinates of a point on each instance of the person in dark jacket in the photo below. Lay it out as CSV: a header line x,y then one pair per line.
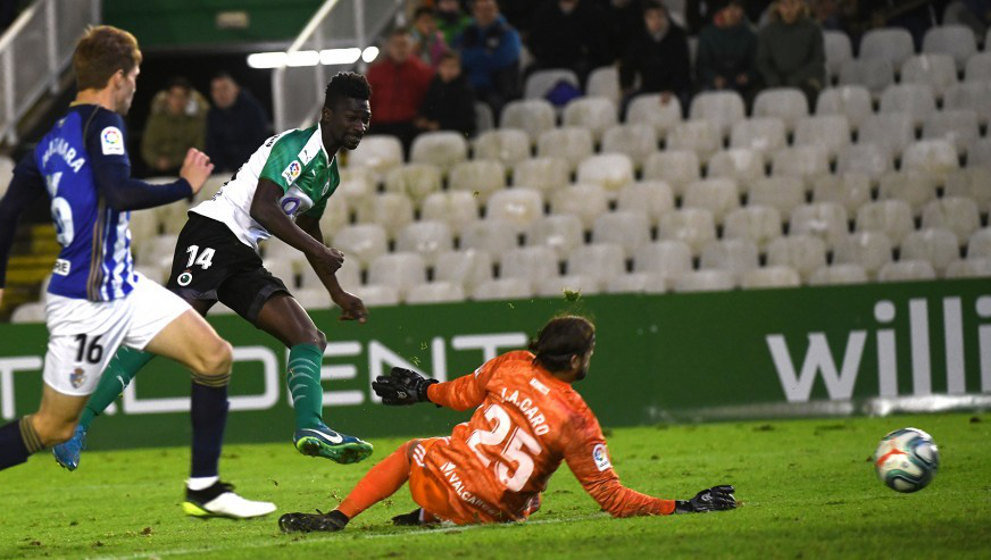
x,y
569,34
449,103
727,51
658,56
235,125
790,50
490,55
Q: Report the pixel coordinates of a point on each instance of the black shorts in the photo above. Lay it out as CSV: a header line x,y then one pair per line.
x,y
211,264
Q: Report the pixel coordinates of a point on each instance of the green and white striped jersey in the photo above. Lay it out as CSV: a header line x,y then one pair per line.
x,y
296,161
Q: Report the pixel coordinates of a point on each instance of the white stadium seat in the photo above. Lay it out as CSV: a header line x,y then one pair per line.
x,y
443,149
781,193
503,289
838,50
735,256
936,157
517,206
770,277
936,70
543,173
391,211
853,102
604,82
891,44
693,226
849,190
763,135
610,171
825,220
972,96
804,253
506,145
435,292
724,108
587,202
479,177
872,74
978,67
628,229
849,273
917,189
970,268
561,232
890,217
540,82
572,144
705,281
558,286
374,295
455,208
892,131
29,313
467,268
653,197
916,100
972,182
378,152
492,236
957,126
336,216
701,137
364,242
787,104
903,271
668,259
533,116
601,261
867,160
755,223
803,162
637,283
935,245
957,214
739,164
719,196
954,40
869,249
357,184
401,271
648,109
532,264
596,114
675,167
636,141
831,132
426,238
415,180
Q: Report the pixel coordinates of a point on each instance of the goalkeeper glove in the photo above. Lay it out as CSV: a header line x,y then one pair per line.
x,y
711,499
402,386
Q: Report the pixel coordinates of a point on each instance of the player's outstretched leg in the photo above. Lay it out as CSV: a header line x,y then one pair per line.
x,y
120,371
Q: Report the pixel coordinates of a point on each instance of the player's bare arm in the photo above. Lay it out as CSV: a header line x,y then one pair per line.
x,y
352,308
196,169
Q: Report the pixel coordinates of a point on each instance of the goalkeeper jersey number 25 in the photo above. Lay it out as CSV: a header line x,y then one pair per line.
x,y
297,162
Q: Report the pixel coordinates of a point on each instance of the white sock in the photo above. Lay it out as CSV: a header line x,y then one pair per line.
x,y
201,482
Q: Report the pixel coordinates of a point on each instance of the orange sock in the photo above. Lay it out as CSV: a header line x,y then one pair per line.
x,y
381,482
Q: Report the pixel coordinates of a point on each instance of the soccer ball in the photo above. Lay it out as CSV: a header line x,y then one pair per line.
x,y
906,460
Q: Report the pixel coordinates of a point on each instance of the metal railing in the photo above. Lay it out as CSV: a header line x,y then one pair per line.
x,y
34,51
297,92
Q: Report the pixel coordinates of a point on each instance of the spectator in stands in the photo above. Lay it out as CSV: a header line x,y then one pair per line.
x,y
620,17
449,103
451,20
658,55
490,55
428,41
790,50
569,34
235,126
727,51
398,82
177,123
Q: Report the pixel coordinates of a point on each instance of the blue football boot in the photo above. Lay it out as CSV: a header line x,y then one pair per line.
x,y
67,453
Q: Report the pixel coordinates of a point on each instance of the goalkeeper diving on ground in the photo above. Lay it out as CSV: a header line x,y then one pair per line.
x,y
493,468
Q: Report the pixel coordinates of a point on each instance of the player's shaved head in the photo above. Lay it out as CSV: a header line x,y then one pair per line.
x,y
561,339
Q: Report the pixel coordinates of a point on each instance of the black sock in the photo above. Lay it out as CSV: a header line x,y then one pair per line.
x,y
209,416
17,442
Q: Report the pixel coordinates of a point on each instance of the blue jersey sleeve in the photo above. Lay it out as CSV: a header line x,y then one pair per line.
x,y
25,187
105,144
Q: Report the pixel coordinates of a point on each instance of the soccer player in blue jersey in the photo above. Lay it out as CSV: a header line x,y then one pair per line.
x,y
96,302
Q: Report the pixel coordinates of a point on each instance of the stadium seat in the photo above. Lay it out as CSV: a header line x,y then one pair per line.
x,y
637,283
839,274
561,286
159,250
831,132
444,149
935,245
158,274
402,271
764,136
467,268
804,253
906,270
738,164
893,44
348,276
972,182
541,81
979,153
210,187
677,168
604,82
869,249
693,226
484,118
544,173
144,227
364,242
972,96
754,223
825,220
653,197
572,144
415,180
29,313
872,74
492,236
936,157
667,259
724,108
956,41
787,104
718,196
970,268
770,277
455,208
781,193
357,184
378,152
935,70
502,289
979,244
636,141
957,214
587,202
891,217
273,247
532,264
593,113
916,100
628,229
838,50
173,216
978,68
518,207
648,109
391,211
560,232
704,281
849,190
426,238
282,268
958,127
507,145
866,160
435,292
479,177
533,116
735,256
853,102
701,137
378,295
336,215
313,298
610,171
601,261
917,189
802,162
891,131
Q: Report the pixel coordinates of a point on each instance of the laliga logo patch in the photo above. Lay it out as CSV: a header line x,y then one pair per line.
x,y
600,457
292,172
77,377
112,141
184,279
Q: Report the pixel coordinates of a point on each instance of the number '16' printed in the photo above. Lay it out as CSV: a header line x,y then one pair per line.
x,y
516,451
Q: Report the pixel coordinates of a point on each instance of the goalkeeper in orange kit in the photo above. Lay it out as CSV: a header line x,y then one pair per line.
x,y
493,468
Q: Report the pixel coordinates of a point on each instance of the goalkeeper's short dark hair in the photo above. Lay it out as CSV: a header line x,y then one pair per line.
x,y
344,85
560,339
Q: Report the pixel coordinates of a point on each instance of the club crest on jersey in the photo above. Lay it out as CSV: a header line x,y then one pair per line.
x,y
77,377
600,457
292,171
184,279
112,141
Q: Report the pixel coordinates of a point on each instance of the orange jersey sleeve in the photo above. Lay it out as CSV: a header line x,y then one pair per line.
x,y
467,391
587,457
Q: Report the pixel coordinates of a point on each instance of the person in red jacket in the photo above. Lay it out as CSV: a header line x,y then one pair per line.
x,y
493,468
399,82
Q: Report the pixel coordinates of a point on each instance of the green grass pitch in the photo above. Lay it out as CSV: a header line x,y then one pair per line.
x,y
807,490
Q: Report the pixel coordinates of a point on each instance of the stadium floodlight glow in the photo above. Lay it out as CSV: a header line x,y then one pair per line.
x,y
267,60
304,58
327,57
369,54
340,56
